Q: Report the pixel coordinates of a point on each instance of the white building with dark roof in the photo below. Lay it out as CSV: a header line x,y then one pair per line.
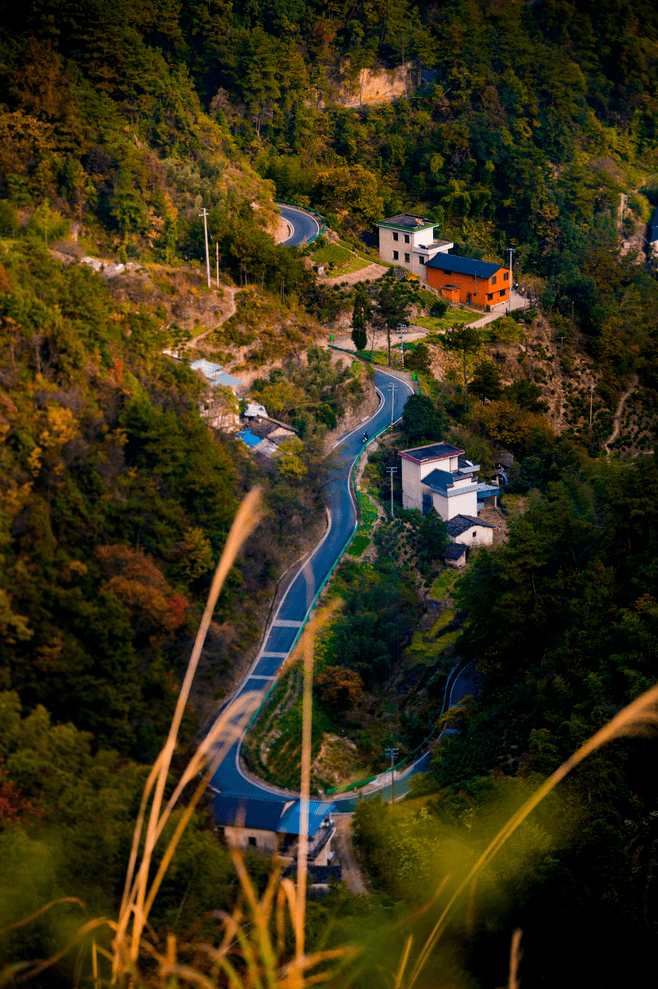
x,y
468,530
408,240
439,476
274,825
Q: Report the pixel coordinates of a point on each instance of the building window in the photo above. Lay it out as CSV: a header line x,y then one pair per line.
x,y
395,236
406,238
493,279
395,255
252,840
506,276
446,272
474,534
406,258
502,292
489,296
421,259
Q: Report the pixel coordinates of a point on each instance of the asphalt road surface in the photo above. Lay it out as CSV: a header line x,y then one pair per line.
x,y
304,226
292,611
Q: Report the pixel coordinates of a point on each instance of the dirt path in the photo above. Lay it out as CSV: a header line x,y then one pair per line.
x,y
617,417
352,874
231,292
373,271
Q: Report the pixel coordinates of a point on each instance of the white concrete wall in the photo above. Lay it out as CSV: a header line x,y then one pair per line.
x,y
463,504
267,841
323,856
387,245
449,465
411,491
478,535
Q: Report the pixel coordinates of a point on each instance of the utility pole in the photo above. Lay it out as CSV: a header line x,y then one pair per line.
x,y
391,467
204,214
393,753
217,260
591,403
392,388
509,300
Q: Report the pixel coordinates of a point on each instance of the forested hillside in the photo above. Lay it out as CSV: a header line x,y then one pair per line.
x,y
531,126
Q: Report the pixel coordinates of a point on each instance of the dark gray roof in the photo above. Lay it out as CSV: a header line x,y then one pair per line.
x,y
278,814
438,479
233,809
464,266
462,523
467,465
437,451
407,220
454,551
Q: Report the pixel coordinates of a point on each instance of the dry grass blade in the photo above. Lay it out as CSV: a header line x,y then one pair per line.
x,y
403,962
41,966
189,974
135,894
638,717
515,956
33,916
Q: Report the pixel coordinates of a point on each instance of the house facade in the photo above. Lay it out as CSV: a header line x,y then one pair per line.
x,y
274,826
469,531
457,279
408,241
439,476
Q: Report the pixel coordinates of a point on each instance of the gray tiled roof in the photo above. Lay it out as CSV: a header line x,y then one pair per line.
x,y
407,220
454,551
462,523
438,480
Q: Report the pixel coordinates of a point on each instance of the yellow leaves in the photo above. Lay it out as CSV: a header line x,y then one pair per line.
x,y
25,141
75,566
34,461
12,626
196,554
15,498
506,422
61,428
290,464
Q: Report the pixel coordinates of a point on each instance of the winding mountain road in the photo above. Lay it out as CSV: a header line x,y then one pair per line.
x,y
289,616
304,226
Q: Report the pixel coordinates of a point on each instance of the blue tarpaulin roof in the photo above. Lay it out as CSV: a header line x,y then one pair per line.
x,y
249,438
290,822
282,815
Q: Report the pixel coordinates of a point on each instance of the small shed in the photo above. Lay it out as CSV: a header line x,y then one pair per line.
x,y
274,825
450,293
470,531
455,555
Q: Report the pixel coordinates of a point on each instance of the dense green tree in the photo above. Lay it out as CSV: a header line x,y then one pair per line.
x,y
361,313
465,340
421,420
487,382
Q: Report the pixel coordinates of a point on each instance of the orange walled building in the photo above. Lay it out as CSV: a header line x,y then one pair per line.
x,y
480,283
